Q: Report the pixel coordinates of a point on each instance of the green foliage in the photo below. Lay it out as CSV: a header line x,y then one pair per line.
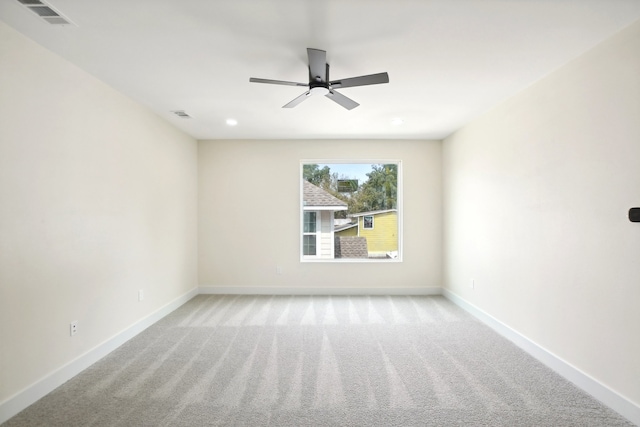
x,y
316,176
379,192
385,178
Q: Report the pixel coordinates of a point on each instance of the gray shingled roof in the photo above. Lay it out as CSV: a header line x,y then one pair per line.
x,y
316,196
350,247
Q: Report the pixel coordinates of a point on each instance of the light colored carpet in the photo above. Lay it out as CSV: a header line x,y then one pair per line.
x,y
317,361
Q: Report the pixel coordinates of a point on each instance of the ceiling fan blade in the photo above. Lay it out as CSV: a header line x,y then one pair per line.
x,y
276,82
339,98
297,100
317,64
371,79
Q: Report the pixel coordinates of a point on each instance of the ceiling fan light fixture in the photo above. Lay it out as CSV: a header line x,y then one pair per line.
x,y
319,90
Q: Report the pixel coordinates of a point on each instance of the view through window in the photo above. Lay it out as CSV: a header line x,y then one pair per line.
x,y
350,211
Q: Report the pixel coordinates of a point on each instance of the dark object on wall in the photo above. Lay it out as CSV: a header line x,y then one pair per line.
x,y
634,214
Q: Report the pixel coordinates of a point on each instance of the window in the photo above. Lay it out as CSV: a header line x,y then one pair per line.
x,y
367,222
309,234
350,211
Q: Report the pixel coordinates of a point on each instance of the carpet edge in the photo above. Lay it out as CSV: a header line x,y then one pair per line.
x,y
31,394
580,379
272,290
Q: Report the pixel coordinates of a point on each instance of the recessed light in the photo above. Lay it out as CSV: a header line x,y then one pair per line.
x,y
232,122
397,121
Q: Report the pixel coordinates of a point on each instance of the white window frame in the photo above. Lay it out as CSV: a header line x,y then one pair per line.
x,y
399,209
316,234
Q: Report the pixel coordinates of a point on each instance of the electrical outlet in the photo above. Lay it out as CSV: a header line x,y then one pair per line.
x,y
472,285
140,295
278,269
73,328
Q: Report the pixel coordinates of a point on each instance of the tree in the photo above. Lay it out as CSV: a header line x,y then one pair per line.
x,y
318,177
379,192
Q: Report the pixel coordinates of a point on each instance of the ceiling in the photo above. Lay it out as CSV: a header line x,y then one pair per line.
x,y
448,61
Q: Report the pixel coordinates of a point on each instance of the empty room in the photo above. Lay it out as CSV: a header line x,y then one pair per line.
x,y
310,213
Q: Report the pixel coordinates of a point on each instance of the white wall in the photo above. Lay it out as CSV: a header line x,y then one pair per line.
x,y
535,210
249,215
97,200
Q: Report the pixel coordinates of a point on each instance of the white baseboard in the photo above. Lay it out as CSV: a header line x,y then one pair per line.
x,y
40,388
31,394
50,382
604,394
258,290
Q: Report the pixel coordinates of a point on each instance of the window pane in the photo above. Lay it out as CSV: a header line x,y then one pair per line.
x,y
309,245
309,222
357,208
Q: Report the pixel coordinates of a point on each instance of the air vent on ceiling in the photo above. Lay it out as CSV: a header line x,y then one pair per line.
x,y
45,11
181,114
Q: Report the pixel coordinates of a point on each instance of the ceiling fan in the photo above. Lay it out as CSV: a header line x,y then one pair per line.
x,y
319,83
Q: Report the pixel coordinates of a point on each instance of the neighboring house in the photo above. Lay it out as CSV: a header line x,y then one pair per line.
x,y
349,229
380,228
318,209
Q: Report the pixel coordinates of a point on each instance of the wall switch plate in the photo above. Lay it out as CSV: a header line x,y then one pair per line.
x,y
73,328
140,295
472,285
278,270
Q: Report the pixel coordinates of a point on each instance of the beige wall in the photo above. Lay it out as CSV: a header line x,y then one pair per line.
x,y
249,220
97,200
535,210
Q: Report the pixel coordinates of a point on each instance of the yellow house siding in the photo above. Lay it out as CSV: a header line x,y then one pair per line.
x,y
353,231
384,235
